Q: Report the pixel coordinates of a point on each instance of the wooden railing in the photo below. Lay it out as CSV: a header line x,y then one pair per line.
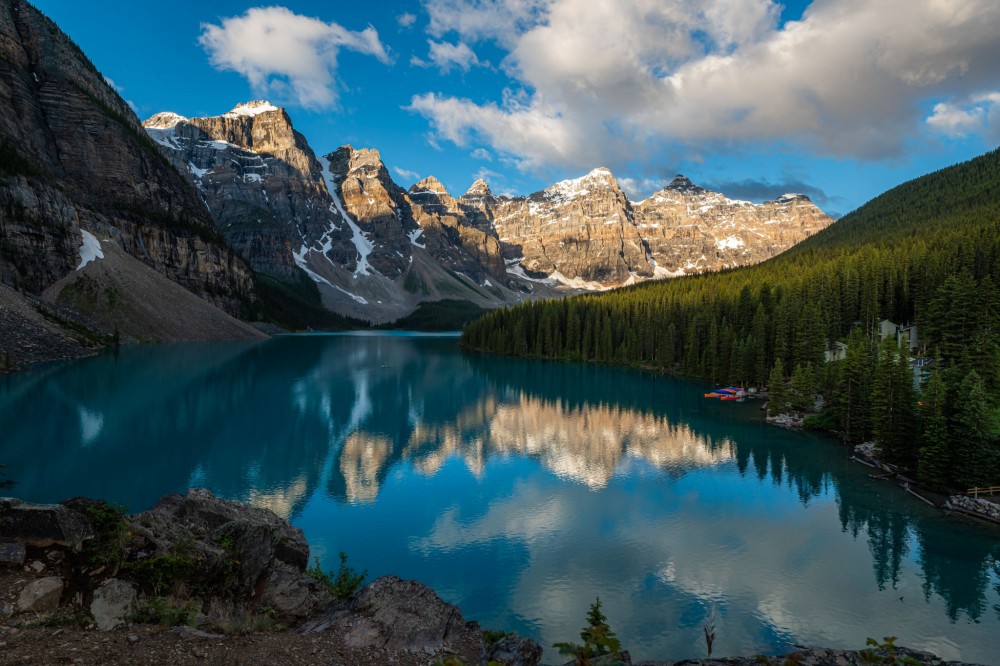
x,y
976,492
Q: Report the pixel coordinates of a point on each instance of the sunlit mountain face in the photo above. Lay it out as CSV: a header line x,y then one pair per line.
x,y
520,490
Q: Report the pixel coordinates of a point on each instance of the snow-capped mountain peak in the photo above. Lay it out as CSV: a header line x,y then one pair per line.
x,y
164,120
251,109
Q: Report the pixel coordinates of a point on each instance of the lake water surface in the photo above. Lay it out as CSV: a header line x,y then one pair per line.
x,y
521,490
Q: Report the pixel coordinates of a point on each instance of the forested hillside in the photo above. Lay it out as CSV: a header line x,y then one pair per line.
x,y
926,252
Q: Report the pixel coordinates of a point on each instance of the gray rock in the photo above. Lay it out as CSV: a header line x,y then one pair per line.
x,y
43,525
6,610
394,614
290,593
514,650
244,557
190,633
113,601
12,554
41,596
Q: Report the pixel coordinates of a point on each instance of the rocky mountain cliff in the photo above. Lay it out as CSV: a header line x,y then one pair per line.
x,y
689,229
340,219
585,233
376,250
78,174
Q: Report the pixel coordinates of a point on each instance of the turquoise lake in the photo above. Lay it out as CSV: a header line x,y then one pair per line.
x,y
521,490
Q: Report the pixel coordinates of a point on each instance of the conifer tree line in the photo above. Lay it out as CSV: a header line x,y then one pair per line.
x,y
927,253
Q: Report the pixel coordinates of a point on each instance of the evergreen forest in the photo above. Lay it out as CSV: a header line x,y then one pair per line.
x,y
926,253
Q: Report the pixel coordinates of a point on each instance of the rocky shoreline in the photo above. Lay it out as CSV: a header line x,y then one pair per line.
x,y
197,580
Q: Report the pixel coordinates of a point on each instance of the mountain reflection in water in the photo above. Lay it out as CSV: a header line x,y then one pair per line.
x,y
520,490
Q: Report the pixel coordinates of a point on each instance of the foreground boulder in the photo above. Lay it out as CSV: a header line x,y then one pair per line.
x,y
403,615
43,525
41,596
236,551
223,560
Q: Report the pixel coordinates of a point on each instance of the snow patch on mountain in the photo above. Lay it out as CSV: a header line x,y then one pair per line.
x,y
250,109
414,236
730,243
361,242
567,190
90,249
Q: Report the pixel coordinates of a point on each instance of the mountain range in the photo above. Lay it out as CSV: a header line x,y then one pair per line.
x,y
181,228
376,250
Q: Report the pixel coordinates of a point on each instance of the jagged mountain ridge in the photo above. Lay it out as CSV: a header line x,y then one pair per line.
x,y
339,218
586,233
377,250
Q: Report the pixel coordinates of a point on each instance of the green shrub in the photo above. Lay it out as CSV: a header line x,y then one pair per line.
x,y
162,574
159,611
342,584
491,636
110,533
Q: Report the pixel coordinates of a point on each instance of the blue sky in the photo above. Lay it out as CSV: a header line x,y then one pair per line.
x,y
838,99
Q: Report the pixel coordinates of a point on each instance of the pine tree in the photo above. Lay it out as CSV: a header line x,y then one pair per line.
x,y
893,403
934,470
598,638
854,393
803,389
778,393
974,434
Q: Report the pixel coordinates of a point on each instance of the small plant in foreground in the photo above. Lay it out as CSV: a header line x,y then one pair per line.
x,y
342,584
158,611
110,533
890,658
493,636
64,618
709,629
598,639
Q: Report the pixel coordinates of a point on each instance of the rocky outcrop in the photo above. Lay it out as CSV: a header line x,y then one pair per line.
x,y
74,157
226,558
402,615
43,525
221,564
821,657
976,506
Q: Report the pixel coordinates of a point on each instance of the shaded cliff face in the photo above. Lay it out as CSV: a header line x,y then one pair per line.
x,y
378,206
452,238
74,157
261,182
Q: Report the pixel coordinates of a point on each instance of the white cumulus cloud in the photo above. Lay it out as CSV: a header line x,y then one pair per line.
x,y
406,20
976,114
447,56
406,174
285,54
615,81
